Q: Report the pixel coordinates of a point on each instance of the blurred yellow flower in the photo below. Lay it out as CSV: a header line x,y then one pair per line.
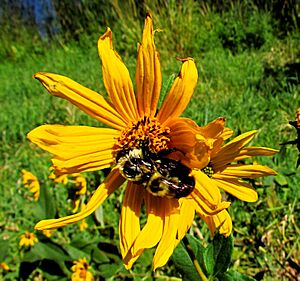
x,y
4,266
58,178
80,269
30,181
83,225
28,239
47,233
140,133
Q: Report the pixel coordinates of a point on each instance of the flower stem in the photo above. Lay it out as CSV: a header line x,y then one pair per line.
x,y
193,258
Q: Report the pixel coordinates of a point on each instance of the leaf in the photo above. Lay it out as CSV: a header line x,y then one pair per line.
x,y
234,276
281,180
49,251
183,262
4,247
46,207
218,254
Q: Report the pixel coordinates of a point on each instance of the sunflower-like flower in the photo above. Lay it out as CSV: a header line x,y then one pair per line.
x,y
81,271
139,147
28,239
30,181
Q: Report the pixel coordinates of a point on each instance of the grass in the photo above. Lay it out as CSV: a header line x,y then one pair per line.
x,y
247,73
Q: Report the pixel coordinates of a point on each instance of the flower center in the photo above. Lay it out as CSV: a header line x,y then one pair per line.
x,y
145,132
208,170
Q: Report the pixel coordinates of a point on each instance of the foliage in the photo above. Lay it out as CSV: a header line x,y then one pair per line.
x,y
248,65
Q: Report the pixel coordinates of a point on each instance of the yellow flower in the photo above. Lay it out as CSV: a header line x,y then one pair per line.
x,y
30,181
81,273
140,132
47,233
83,225
4,266
228,173
28,239
58,178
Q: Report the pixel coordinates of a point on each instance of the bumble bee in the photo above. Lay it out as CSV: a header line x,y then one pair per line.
x,y
160,176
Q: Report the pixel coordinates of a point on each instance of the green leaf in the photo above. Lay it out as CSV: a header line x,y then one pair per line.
x,y
234,276
46,251
46,207
4,247
218,254
281,180
183,262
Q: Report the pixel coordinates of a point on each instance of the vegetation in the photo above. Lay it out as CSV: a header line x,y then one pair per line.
x,y
248,63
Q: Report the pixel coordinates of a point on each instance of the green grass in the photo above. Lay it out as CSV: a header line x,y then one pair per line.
x,y
247,74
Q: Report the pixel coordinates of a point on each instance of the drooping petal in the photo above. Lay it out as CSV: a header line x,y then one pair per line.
x,y
221,221
76,148
148,72
148,238
87,100
180,92
194,151
254,151
113,181
238,188
168,242
230,150
129,226
116,78
213,129
207,195
244,171
186,217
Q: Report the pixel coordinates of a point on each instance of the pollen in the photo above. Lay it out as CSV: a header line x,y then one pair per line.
x,y
208,170
147,131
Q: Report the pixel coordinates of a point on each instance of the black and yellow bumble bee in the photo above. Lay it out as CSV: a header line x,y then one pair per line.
x,y
160,176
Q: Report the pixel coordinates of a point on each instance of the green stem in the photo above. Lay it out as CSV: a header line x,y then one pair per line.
x,y
193,258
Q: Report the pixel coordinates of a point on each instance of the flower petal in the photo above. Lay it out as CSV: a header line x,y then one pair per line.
x,y
116,78
254,151
244,171
168,241
87,100
129,226
148,72
206,194
230,150
180,92
213,129
151,232
113,181
186,217
237,188
76,148
221,221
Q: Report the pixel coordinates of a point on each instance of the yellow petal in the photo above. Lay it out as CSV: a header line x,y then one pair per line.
x,y
186,216
255,151
230,150
167,243
221,221
245,171
129,226
213,129
116,78
148,238
76,148
237,188
180,92
87,100
207,194
148,72
111,183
